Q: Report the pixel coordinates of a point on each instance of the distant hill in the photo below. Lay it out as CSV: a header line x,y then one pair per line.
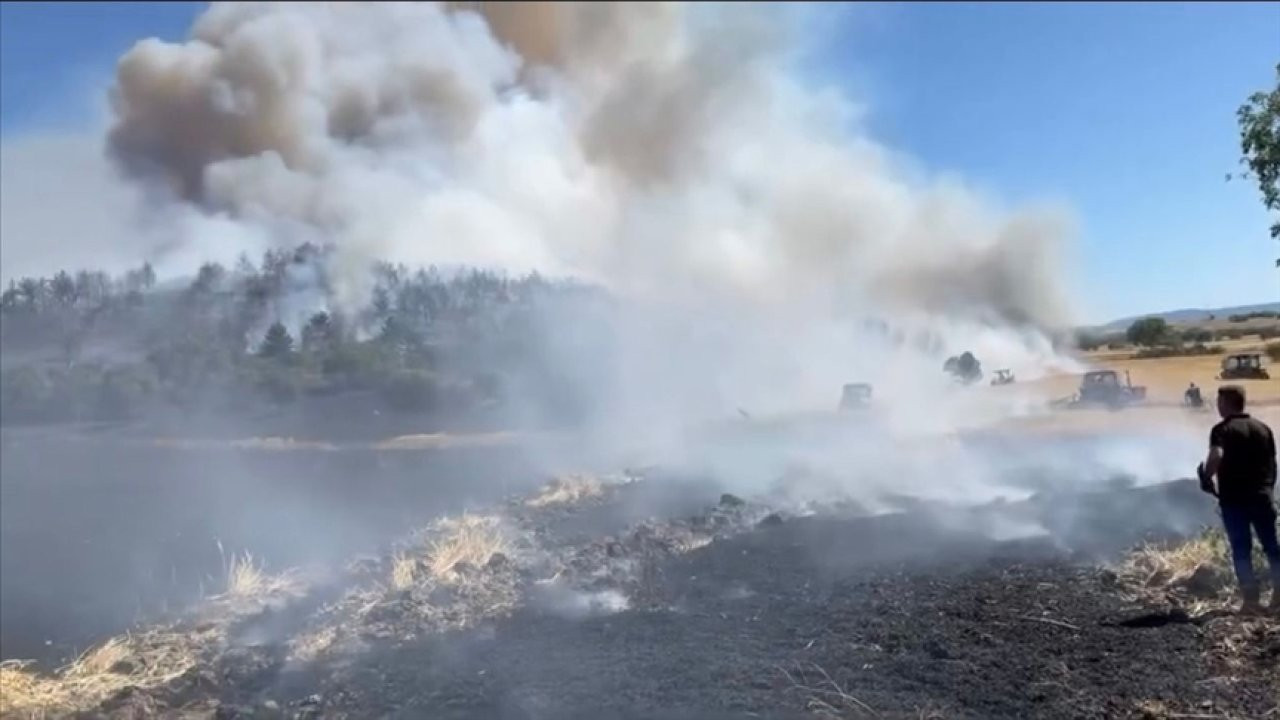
x,y
1191,316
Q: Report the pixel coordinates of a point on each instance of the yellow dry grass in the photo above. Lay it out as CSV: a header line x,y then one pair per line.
x,y
404,570
247,578
1196,571
310,646
567,490
471,539
145,661
1161,564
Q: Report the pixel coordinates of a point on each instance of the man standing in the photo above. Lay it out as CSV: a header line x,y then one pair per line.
x,y
1242,454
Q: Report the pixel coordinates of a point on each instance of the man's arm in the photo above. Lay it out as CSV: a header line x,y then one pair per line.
x,y
1213,461
1271,455
1209,468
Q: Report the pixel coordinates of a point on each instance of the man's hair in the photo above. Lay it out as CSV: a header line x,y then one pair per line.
x,y
1233,395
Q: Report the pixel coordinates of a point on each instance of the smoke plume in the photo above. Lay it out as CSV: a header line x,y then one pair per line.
x,y
657,149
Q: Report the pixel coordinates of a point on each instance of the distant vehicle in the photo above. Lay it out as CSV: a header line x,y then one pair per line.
x,y
855,395
1243,366
1103,387
1003,377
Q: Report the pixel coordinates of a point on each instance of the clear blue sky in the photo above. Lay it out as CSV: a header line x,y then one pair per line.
x,y
1126,113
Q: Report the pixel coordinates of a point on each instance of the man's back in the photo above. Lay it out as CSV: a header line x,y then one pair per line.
x,y
1248,469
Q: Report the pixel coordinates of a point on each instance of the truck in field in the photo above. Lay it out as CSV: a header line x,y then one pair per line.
x,y
1244,366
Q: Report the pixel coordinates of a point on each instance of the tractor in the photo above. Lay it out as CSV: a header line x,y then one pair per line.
x,y
855,395
1102,387
1243,366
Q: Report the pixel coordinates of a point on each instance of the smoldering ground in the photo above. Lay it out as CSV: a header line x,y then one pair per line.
x,y
742,222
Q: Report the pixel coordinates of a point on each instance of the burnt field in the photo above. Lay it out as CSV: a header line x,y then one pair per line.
x,y
656,596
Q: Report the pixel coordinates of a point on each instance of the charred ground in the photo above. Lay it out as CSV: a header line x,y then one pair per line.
x,y
734,610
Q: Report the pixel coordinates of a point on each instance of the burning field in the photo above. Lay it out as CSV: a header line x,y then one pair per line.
x,y
647,595
528,409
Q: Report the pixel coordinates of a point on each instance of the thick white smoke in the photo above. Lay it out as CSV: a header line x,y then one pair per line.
x,y
669,153
655,149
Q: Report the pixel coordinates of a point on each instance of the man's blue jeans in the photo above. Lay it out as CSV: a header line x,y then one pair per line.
x,y
1241,521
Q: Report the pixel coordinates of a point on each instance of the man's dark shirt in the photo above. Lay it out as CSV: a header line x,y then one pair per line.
x,y
1248,470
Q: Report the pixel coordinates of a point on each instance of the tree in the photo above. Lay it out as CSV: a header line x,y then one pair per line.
x,y
318,333
277,344
1197,335
138,280
1259,119
1148,331
1088,341
31,290
964,367
10,299
63,288
208,278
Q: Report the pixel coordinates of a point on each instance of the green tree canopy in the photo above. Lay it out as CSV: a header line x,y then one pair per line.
x,y
1259,119
278,344
1148,331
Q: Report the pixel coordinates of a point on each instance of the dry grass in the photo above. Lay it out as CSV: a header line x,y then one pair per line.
x,y
470,539
248,579
1162,572
404,570
825,697
1164,566
1154,565
567,490
693,542
144,661
310,646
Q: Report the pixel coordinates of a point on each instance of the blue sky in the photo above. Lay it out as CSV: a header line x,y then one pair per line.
x,y
1124,113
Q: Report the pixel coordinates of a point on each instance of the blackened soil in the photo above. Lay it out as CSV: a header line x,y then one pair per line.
x,y
907,618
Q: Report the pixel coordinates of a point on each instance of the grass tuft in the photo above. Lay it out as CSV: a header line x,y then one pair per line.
x,y
567,490
143,662
404,571
469,539
247,578
1158,564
